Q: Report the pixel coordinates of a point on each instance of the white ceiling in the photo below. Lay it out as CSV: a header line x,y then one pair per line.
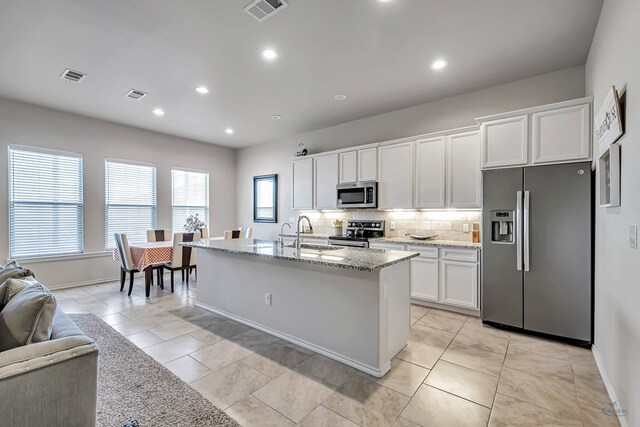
x,y
377,53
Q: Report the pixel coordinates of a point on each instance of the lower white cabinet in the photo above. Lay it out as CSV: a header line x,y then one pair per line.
x,y
459,283
425,273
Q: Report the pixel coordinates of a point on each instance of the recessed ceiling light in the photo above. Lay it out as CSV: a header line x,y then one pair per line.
x,y
276,117
340,97
158,112
202,89
438,64
269,54
228,131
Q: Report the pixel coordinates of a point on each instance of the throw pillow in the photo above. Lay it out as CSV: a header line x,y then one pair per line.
x,y
27,317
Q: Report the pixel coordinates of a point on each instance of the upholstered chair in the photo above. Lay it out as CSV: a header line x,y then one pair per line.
x,y
204,233
183,258
126,261
232,234
159,235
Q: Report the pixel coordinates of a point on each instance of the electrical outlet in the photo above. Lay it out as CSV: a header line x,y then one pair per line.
x,y
392,225
465,228
267,299
633,236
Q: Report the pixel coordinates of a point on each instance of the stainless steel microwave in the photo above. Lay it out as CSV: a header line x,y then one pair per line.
x,y
359,195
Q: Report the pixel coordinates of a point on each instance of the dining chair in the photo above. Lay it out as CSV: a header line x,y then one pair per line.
x,y
126,260
183,257
231,234
204,233
159,236
246,232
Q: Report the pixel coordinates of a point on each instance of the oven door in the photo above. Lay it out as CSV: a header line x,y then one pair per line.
x,y
357,195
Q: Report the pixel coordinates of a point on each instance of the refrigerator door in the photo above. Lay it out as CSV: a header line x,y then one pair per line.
x,y
501,278
557,287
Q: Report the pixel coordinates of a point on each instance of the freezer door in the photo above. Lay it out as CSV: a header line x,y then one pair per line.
x,y
501,279
557,287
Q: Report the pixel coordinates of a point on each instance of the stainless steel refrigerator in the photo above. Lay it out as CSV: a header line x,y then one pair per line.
x,y
536,250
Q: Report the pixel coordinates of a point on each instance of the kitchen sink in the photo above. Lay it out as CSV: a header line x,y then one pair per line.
x,y
319,248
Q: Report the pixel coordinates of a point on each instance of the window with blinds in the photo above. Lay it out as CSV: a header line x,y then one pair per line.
x,y
190,196
130,200
45,202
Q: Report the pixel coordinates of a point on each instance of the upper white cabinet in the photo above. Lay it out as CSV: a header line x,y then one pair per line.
x,y
302,184
562,134
463,170
556,133
368,164
348,167
325,173
430,173
504,142
395,176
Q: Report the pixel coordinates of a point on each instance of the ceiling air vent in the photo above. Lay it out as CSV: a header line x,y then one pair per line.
x,y
73,76
263,9
135,94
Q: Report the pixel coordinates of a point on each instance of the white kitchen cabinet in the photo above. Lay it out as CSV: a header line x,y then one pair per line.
x,y
505,142
325,171
302,184
562,134
425,279
463,170
395,176
367,164
430,173
459,284
348,167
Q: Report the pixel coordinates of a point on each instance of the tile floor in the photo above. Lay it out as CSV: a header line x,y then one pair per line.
x,y
453,372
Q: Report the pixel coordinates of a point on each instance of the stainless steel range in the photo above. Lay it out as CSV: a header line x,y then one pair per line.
x,y
358,233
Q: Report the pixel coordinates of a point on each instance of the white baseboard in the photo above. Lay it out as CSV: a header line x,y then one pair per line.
x,y
378,373
607,383
97,282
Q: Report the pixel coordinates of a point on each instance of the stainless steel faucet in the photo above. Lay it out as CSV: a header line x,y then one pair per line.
x,y
300,218
282,233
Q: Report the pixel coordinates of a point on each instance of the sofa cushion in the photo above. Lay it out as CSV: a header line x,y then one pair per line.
x,y
13,270
27,317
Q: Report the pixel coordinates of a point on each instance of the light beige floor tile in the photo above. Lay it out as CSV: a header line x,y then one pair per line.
x,y
251,412
170,350
539,365
539,346
228,385
419,310
437,321
404,377
130,327
323,417
482,341
114,318
366,403
476,325
591,391
595,417
403,422
474,358
227,329
421,354
294,395
328,370
575,351
508,412
175,329
188,369
433,407
447,313
144,339
224,353
414,319
254,339
431,336
206,337
463,382
274,360
550,393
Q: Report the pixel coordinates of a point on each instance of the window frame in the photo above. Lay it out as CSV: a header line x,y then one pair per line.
x,y
208,201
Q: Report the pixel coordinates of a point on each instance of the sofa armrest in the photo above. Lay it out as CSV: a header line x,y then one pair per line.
x,y
31,357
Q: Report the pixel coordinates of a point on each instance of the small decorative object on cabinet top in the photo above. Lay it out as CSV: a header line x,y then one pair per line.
x,y
194,224
302,151
608,121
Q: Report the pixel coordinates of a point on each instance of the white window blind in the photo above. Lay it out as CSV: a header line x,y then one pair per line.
x,y
190,196
130,200
45,202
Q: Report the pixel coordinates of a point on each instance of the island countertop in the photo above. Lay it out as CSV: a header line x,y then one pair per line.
x,y
350,258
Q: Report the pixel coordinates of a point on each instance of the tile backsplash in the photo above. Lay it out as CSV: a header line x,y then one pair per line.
x,y
447,224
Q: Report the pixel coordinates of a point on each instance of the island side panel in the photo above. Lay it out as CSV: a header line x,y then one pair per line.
x,y
335,311
396,293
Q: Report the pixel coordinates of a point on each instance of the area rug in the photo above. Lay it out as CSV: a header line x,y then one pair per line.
x,y
133,386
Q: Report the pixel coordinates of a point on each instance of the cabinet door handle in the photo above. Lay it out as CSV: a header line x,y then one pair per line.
x,y
519,230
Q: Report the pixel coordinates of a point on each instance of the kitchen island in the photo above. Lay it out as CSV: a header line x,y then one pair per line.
x,y
349,304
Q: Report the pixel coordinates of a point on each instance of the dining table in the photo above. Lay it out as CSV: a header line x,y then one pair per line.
x,y
149,254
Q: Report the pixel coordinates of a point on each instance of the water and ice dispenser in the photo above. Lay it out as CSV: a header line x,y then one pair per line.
x,y
502,226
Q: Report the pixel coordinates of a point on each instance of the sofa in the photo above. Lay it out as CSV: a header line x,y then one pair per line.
x,y
52,382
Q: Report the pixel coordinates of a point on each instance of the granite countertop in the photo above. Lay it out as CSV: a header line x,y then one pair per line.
x,y
307,235
431,242
350,258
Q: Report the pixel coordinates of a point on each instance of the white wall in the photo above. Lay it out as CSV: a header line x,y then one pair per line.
x,y
449,113
27,124
614,60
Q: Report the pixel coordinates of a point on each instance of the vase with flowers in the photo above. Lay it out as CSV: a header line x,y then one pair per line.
x,y
194,224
